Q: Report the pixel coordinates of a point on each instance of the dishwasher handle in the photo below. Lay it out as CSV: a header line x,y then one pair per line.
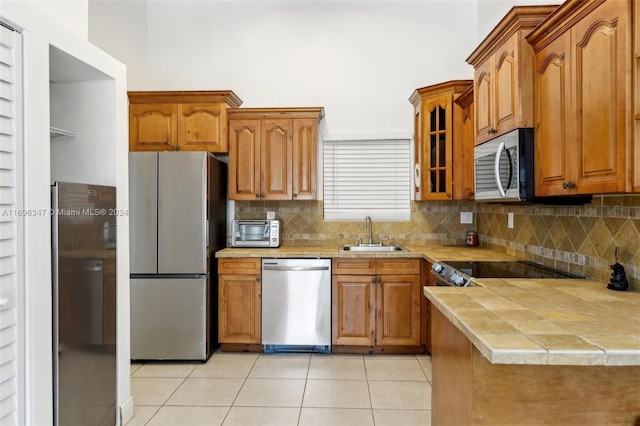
x,y
295,268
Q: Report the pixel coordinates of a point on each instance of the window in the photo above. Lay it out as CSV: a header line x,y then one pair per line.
x,y
366,177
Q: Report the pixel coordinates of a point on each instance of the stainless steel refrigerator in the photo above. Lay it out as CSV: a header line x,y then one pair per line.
x,y
84,303
177,205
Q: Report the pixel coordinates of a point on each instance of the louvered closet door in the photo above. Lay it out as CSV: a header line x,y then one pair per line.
x,y
11,276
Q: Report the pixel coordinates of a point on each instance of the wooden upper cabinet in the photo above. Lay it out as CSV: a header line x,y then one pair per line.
x,y
464,170
201,127
582,79
503,68
276,167
552,96
244,159
441,153
273,153
305,159
174,121
153,127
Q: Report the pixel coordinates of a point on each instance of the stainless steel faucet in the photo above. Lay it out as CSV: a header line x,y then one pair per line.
x,y
364,225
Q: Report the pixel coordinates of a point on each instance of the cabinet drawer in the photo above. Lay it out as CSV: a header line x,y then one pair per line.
x,y
398,266
354,266
248,265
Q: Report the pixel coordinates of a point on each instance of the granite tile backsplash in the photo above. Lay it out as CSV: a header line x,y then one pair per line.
x,y
581,239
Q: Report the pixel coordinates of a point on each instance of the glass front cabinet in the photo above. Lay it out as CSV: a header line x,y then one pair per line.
x,y
443,152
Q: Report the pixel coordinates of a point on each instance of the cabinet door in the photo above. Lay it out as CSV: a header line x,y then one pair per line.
x,y
239,311
599,70
437,134
353,310
463,143
244,159
200,127
153,127
504,97
275,165
552,104
304,159
398,310
482,93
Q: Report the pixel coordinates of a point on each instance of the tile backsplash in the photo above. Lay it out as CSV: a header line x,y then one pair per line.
x,y
581,239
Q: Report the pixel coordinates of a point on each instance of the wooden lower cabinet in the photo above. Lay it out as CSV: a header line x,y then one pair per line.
x,y
376,304
239,301
467,389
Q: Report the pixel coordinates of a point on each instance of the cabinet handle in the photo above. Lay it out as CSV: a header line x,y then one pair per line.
x,y
258,279
295,195
177,148
568,185
491,131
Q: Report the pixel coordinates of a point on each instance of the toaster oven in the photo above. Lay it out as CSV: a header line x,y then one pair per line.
x,y
255,233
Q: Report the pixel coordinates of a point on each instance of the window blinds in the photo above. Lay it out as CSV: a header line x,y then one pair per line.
x,y
366,177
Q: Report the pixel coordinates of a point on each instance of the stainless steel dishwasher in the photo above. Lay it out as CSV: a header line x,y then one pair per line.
x,y
296,305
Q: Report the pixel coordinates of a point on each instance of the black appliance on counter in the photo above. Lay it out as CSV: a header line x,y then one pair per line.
x,y
460,273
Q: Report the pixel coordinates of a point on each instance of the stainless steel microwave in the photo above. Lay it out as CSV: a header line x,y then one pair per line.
x,y
504,171
255,233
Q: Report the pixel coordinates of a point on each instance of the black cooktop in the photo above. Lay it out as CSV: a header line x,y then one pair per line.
x,y
508,269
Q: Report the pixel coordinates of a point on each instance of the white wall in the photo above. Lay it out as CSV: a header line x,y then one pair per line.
x,y
40,32
71,14
361,60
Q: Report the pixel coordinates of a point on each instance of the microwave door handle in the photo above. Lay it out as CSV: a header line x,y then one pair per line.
x,y
496,169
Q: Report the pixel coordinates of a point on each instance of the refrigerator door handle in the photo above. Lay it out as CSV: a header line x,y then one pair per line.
x,y
207,235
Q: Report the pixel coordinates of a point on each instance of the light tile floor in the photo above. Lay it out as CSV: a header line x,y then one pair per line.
x,y
284,389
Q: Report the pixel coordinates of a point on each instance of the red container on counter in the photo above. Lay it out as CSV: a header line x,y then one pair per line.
x,y
472,238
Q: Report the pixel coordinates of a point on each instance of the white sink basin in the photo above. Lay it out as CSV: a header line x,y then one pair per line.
x,y
369,248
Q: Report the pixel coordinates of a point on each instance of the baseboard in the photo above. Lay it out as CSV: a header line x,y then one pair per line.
x,y
126,411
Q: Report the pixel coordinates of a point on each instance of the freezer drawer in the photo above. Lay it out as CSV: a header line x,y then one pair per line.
x,y
169,318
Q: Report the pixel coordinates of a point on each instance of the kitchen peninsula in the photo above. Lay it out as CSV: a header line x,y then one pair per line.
x,y
535,351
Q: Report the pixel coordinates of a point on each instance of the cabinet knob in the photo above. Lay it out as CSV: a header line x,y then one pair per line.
x,y
491,131
258,279
568,185
177,148
295,195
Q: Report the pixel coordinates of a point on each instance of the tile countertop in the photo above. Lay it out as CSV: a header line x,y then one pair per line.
x,y
518,321
430,253
545,321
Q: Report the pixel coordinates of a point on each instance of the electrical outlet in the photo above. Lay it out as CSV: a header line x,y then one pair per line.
x,y
271,215
510,220
466,217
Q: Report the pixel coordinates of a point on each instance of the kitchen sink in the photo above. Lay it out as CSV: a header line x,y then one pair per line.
x,y
371,248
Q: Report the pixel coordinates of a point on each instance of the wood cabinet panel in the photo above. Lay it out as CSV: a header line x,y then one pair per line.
x,y
582,86
483,103
598,68
552,86
353,266
152,127
305,159
239,310
398,313
397,266
505,90
275,164
244,159
353,311
233,265
201,127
